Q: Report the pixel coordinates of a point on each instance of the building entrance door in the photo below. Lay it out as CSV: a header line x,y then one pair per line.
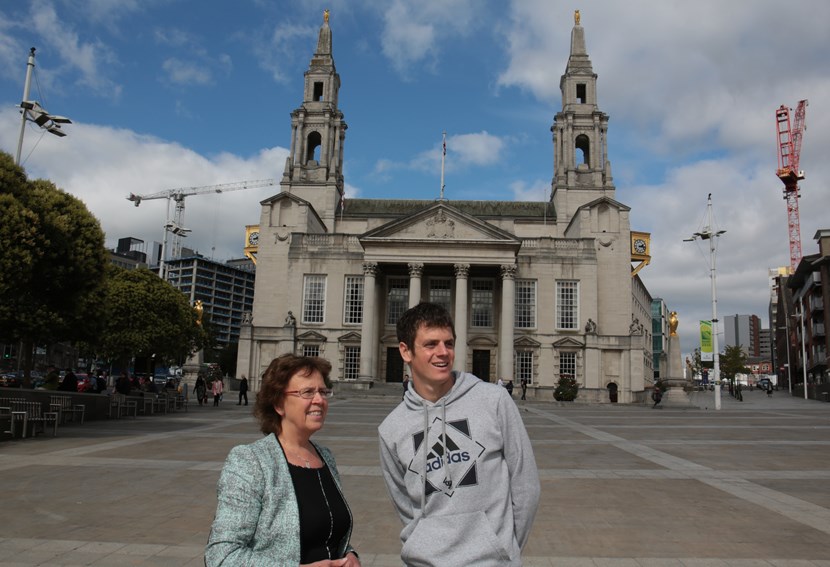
x,y
612,392
394,365
481,364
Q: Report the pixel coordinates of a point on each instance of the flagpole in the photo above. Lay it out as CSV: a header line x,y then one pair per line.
x,y
443,157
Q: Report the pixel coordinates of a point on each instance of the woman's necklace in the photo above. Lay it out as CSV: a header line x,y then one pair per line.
x,y
298,456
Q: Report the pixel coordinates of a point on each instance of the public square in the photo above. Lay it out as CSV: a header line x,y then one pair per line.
x,y
748,485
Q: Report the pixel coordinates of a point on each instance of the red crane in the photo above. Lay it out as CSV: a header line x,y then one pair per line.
x,y
789,154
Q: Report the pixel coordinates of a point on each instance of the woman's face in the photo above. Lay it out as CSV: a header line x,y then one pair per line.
x,y
300,416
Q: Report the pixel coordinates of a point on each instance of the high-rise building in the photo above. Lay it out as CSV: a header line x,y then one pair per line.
x,y
743,331
226,290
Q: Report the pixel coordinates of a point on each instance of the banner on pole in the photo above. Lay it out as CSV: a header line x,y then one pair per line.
x,y
706,352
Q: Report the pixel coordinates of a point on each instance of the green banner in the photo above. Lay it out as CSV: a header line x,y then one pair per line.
x,y
706,352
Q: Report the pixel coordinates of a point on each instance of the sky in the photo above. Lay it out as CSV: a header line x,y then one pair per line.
x,y
186,93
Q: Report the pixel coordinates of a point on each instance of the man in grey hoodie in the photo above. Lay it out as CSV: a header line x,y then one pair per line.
x,y
455,456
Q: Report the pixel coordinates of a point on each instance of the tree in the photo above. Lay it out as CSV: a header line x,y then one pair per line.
x,y
146,316
733,362
52,263
566,389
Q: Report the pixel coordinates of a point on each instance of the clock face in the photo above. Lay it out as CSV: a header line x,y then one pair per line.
x,y
640,246
253,239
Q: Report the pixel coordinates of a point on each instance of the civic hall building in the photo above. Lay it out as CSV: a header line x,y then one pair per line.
x,y
537,290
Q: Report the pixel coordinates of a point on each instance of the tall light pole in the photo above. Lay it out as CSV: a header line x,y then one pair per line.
x,y
31,110
803,348
708,234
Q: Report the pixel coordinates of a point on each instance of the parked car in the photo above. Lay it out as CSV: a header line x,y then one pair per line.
x,y
764,384
10,380
86,382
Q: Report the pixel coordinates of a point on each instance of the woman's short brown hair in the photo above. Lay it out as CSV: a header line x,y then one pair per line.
x,y
274,381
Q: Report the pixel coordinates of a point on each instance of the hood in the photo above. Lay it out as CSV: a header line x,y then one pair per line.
x,y
463,382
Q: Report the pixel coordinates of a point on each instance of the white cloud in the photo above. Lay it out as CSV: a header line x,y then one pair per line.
x,y
184,73
103,165
415,30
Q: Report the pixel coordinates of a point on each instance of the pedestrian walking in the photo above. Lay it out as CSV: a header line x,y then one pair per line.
x,y
405,385
200,387
523,384
243,390
739,392
217,389
656,395
769,389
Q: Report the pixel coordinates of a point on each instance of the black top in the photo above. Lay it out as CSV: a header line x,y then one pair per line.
x,y
325,518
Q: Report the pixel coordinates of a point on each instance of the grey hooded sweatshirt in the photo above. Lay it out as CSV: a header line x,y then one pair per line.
x,y
462,476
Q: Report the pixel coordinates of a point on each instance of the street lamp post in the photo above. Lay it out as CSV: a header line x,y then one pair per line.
x,y
708,234
31,110
803,348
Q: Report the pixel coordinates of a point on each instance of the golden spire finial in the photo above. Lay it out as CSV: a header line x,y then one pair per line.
x,y
576,17
326,15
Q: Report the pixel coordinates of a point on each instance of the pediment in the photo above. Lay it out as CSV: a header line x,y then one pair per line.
x,y
613,203
568,343
526,342
350,337
311,337
481,341
282,196
439,222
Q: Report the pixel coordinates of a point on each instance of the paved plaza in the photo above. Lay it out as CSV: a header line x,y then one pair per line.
x,y
622,486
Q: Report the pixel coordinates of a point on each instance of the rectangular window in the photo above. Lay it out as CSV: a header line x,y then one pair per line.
x,y
314,299
567,364
482,303
567,305
351,362
311,350
397,299
440,292
353,301
525,304
318,92
580,93
524,366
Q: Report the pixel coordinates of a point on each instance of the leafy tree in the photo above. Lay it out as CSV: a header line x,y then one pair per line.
x,y
566,389
146,316
52,263
732,362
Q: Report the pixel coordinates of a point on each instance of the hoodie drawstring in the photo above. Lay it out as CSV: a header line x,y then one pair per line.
x,y
426,452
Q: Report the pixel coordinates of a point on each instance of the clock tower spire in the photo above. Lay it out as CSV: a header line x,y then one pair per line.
x,y
582,171
314,167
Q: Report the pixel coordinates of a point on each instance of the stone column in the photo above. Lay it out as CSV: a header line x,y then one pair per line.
x,y
462,272
416,271
299,149
368,330
506,323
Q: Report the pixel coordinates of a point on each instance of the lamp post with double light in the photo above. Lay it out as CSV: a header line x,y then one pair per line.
x,y
31,111
709,234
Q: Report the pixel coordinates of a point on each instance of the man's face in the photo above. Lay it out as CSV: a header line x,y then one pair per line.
x,y
432,358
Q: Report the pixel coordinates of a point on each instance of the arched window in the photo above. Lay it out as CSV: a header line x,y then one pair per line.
x,y
313,144
583,146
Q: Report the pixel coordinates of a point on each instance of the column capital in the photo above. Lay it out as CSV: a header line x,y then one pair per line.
x,y
461,270
416,270
508,271
370,269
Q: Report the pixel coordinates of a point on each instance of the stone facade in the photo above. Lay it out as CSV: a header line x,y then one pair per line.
x,y
537,289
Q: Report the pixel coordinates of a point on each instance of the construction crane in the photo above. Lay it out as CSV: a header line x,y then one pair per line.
x,y
176,225
789,154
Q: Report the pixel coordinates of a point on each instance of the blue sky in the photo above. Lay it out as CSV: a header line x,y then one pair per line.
x,y
175,93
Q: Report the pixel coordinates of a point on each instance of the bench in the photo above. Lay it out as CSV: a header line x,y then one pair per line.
x,y
31,415
65,408
120,406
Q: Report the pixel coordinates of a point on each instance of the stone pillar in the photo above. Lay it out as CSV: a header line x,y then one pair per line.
x,y
506,323
367,334
416,271
462,272
675,395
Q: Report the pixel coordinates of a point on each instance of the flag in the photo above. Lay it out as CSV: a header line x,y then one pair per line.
x,y
706,353
445,146
342,201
